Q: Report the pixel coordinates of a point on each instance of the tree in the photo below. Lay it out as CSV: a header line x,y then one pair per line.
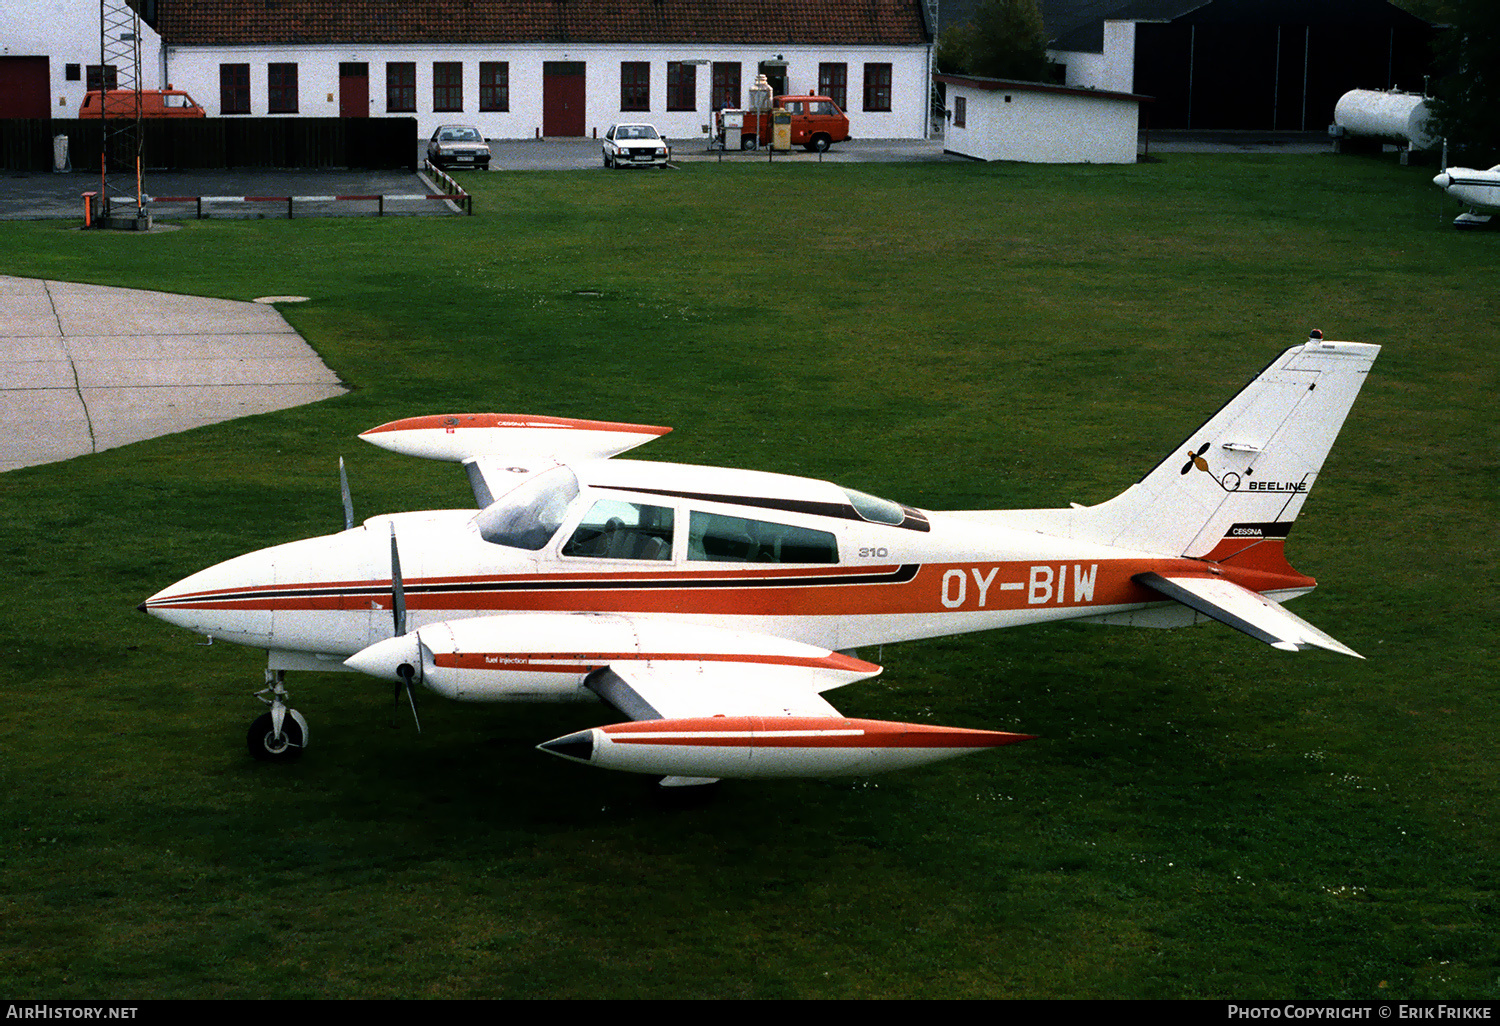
x,y
1005,40
1467,104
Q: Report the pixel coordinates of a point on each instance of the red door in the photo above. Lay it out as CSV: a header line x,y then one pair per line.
x,y
25,88
354,90
562,98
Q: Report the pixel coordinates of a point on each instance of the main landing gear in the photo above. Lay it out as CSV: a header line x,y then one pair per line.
x,y
280,734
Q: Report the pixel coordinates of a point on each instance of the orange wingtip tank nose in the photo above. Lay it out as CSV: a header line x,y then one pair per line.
x,y
771,746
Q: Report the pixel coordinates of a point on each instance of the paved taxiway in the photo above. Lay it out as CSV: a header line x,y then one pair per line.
x,y
86,367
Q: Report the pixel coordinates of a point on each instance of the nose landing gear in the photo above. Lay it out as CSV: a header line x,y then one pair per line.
x,y
280,734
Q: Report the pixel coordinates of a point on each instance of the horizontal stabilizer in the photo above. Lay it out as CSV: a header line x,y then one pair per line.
x,y
1244,610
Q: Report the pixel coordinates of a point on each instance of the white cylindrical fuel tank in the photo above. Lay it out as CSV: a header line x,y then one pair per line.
x,y
1396,116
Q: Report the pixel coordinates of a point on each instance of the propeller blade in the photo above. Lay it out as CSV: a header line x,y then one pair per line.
x,y
407,673
398,611
398,590
348,501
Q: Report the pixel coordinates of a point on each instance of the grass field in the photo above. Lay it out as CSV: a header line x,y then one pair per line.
x,y
1202,816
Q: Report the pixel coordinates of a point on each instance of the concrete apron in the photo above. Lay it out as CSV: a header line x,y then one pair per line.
x,y
86,367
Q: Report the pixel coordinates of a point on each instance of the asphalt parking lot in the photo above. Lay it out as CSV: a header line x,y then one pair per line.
x,y
44,195
50,195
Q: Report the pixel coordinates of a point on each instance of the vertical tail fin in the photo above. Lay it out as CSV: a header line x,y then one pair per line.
x,y
1231,491
1241,478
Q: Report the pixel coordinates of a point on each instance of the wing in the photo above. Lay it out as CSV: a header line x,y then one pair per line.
x,y
703,702
1244,610
501,450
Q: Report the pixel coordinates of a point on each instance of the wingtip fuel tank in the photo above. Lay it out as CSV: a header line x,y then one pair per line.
x,y
751,747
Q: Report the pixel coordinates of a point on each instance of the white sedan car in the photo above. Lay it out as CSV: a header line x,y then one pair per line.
x,y
635,146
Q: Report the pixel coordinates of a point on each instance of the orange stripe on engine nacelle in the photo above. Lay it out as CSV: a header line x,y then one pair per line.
x,y
551,661
802,732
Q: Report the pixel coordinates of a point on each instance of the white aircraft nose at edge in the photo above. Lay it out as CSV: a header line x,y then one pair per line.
x,y
1479,189
712,607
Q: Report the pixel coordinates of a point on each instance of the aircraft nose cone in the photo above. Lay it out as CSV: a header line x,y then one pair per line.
x,y
384,659
579,747
227,601
1442,180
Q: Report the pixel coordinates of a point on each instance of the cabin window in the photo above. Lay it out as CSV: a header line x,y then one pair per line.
x,y
615,529
716,538
876,510
528,516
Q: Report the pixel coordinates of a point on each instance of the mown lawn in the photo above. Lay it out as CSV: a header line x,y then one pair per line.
x,y
1203,816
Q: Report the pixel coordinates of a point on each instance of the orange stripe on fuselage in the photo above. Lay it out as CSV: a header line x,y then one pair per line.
x,y
836,591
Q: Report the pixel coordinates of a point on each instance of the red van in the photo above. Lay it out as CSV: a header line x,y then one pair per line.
x,y
817,123
155,103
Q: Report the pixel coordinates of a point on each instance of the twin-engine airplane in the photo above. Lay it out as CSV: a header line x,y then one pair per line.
x,y
712,607
1479,189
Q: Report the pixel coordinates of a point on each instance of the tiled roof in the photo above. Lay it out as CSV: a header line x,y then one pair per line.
x,y
769,22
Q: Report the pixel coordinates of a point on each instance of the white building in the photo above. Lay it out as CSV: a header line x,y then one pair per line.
x,y
532,68
49,57
994,119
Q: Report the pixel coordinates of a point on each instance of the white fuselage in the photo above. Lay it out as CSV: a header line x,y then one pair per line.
x,y
740,550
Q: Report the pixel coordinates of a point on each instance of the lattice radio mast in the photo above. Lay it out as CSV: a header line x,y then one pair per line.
x,y
120,130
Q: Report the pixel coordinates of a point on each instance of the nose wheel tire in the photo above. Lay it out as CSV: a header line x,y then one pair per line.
x,y
267,745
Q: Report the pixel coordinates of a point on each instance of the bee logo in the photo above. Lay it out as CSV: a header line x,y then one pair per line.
x,y
1195,459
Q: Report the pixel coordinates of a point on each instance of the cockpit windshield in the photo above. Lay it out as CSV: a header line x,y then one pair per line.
x,y
528,516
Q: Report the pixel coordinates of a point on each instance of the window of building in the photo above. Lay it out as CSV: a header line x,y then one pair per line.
x,y
72,72
960,111
494,85
635,85
234,89
447,86
281,88
101,77
833,82
726,85
877,87
682,91
401,87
